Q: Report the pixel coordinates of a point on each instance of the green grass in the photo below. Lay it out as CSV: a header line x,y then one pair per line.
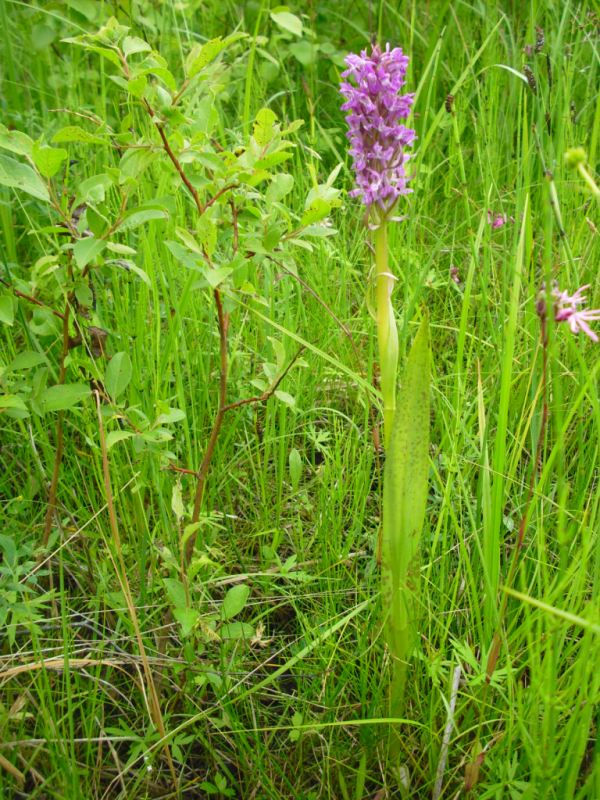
x,y
299,712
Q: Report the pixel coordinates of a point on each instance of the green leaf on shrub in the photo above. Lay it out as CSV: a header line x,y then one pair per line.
x,y
201,55
287,21
117,436
235,600
21,176
48,159
118,374
264,126
86,250
63,396
138,216
74,133
15,141
7,309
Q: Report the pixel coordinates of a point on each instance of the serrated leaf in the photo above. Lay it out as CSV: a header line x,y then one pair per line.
x,y
235,600
287,21
404,505
118,374
86,250
63,396
22,176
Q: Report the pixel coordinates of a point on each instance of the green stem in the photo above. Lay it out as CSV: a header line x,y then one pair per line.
x,y
387,333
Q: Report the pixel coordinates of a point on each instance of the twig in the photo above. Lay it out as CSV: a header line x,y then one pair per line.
x,y
31,299
223,320
58,453
268,393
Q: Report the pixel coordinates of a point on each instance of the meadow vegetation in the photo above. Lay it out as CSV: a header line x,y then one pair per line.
x,y
191,431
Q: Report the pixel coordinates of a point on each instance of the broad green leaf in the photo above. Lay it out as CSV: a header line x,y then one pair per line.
x,y
12,401
404,505
133,44
235,600
236,630
138,216
93,190
86,250
48,159
169,417
114,437
287,21
280,185
7,309
264,126
63,396
176,591
15,141
26,360
286,398
201,55
295,464
74,133
137,86
318,210
187,618
305,52
177,505
22,176
188,240
118,374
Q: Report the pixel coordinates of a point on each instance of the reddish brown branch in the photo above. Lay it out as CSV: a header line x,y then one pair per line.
x,y
268,393
223,321
31,299
58,453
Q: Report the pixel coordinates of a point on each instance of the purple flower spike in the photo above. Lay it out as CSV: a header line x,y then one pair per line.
x,y
377,138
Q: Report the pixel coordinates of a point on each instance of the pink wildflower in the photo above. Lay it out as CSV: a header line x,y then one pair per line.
x,y
497,220
567,308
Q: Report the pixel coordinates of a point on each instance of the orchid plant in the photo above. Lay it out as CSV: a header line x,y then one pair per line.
x,y
378,148
379,140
